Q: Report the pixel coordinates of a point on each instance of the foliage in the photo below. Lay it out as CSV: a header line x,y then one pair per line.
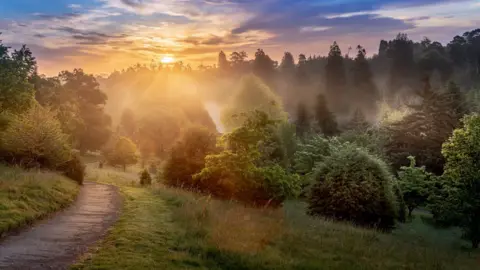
x,y
302,121
414,184
325,118
35,139
244,170
366,93
461,187
93,131
159,130
123,153
310,152
73,169
422,132
187,157
336,79
16,69
355,186
251,95
145,178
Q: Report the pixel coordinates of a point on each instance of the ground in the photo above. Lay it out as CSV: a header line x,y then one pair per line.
x,y
162,228
28,196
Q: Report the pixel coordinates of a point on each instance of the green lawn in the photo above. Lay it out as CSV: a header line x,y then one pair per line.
x,y
163,228
28,196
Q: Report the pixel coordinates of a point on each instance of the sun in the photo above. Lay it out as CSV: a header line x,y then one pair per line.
x,y
167,60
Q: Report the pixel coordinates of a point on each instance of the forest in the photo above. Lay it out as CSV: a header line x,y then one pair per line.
x,y
373,140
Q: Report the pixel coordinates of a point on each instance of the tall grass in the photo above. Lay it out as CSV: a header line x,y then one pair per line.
x,y
227,235
26,196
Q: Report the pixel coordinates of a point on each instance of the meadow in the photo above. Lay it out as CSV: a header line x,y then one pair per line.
x,y
165,228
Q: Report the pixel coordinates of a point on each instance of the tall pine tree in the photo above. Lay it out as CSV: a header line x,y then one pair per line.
x,y
422,132
325,118
336,79
366,92
302,122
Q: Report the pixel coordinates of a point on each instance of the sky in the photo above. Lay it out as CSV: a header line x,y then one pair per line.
x,y
101,36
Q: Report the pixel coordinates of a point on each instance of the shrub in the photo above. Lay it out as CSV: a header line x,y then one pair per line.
x,y
73,169
245,169
35,139
352,185
145,178
187,157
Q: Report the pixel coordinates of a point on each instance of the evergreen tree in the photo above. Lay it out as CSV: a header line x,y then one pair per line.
x,y
223,64
288,63
358,122
303,120
264,66
128,123
422,132
366,92
325,118
402,71
336,79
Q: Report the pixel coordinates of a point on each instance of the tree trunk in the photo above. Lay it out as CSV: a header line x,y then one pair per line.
x,y
410,210
475,243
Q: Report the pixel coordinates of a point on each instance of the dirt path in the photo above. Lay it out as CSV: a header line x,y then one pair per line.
x,y
56,243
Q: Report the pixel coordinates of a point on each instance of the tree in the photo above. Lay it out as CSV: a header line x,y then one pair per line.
x,y
358,123
223,64
145,178
264,66
35,139
423,131
400,51
352,185
16,70
243,169
462,177
414,185
288,63
366,92
303,120
187,157
325,119
252,94
124,153
94,128
336,79
128,123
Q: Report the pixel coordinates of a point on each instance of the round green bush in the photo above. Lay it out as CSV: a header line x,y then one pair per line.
x,y
352,185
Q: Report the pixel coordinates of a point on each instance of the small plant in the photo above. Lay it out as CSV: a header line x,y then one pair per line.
x,y
145,178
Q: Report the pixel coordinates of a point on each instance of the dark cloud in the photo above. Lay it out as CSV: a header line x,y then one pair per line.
x,y
133,3
281,15
88,37
64,16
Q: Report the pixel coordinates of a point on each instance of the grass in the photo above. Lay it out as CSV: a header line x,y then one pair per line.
x,y
28,196
163,228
